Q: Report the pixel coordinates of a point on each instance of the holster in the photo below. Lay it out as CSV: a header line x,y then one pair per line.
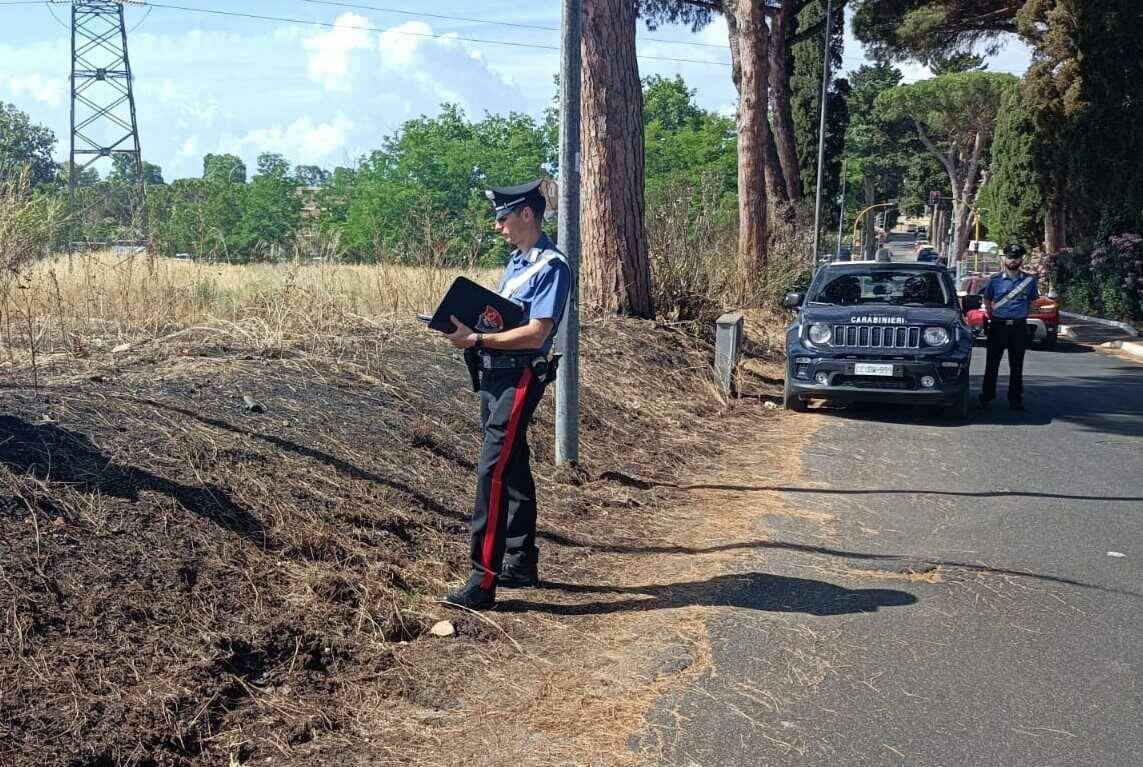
x,y
472,362
546,371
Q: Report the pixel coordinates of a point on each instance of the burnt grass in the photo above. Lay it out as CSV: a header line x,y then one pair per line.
x,y
186,581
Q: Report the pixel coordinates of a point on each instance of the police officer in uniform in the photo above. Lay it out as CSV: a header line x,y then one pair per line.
x,y
1007,298
514,370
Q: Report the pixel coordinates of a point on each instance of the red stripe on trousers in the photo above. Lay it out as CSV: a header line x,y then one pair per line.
x,y
498,475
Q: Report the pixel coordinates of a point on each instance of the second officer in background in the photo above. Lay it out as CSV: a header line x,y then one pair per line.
x,y
1008,296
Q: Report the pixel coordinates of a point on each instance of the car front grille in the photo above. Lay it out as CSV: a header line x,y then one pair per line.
x,y
877,336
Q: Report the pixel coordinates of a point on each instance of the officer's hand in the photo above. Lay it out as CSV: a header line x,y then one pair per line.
x,y
463,337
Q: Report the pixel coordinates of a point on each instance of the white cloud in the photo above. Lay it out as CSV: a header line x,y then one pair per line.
x,y
399,44
45,90
188,149
302,141
329,52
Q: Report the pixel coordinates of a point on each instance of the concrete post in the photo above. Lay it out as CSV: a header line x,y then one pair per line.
x,y
727,343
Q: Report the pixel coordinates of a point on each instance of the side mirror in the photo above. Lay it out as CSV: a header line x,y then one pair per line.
x,y
971,302
793,300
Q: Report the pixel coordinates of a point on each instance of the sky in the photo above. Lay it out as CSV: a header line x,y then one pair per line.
x,y
329,90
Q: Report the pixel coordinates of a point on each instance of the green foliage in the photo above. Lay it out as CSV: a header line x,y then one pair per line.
x,y
1105,279
219,218
124,172
929,30
878,151
1011,202
670,103
685,147
419,198
1085,88
947,63
312,175
952,109
25,144
224,168
805,86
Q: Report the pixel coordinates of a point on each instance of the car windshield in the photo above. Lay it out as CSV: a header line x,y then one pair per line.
x,y
896,287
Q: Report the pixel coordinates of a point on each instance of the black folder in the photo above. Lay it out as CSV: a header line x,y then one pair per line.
x,y
470,303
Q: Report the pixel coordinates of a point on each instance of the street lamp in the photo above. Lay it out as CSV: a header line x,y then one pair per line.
x,y
861,215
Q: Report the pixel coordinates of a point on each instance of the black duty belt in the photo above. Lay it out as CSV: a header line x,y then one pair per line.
x,y
511,361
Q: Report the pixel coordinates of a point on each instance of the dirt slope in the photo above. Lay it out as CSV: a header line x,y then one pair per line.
x,y
184,581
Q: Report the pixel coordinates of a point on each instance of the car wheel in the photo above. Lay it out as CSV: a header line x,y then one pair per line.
x,y
1050,341
791,400
958,409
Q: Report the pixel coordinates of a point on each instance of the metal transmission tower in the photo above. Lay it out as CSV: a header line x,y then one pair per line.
x,y
103,101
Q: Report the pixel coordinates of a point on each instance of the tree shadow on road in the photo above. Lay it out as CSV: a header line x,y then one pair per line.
x,y
749,591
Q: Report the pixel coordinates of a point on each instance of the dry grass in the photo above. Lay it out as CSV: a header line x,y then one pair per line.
x,y
81,303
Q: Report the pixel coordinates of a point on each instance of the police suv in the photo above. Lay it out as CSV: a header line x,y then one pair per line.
x,y
879,332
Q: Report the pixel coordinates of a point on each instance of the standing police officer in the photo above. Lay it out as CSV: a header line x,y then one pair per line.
x,y
514,369
1008,295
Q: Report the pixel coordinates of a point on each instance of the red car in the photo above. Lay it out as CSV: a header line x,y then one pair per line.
x,y
1043,317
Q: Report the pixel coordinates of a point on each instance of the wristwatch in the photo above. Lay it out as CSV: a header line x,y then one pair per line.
x,y
479,341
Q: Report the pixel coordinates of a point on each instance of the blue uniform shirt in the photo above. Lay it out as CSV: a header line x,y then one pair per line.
x,y
1012,297
539,281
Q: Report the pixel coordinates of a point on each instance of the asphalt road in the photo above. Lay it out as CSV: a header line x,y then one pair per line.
x,y
1024,649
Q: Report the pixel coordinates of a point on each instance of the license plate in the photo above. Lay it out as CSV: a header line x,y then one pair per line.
x,y
865,369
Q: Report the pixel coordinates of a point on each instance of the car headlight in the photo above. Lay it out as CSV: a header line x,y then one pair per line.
x,y
819,333
936,336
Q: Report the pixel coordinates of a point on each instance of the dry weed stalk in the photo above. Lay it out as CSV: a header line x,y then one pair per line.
x,y
99,300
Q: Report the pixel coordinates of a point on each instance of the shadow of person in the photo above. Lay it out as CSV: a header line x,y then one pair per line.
x,y
54,454
748,591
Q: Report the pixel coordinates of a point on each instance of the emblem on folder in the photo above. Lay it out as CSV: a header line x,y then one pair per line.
x,y
489,320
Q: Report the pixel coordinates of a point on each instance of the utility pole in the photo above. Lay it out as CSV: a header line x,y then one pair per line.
x,y
567,379
102,99
840,209
822,127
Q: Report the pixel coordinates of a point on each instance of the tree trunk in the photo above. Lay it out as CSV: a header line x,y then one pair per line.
x,y
776,180
868,240
748,28
616,270
1054,221
961,223
936,233
779,77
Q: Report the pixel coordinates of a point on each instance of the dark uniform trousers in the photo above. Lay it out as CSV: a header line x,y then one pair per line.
x,y
504,516
1013,338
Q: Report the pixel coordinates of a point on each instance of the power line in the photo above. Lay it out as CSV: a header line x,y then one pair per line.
x,y
407,33
847,60
514,25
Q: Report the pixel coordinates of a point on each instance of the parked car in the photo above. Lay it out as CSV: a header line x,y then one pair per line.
x,y
1043,315
879,332
927,254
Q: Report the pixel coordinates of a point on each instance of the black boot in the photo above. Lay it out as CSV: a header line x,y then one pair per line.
x,y
982,403
472,595
522,575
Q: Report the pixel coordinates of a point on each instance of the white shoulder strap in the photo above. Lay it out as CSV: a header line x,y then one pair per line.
x,y
1017,289
520,279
